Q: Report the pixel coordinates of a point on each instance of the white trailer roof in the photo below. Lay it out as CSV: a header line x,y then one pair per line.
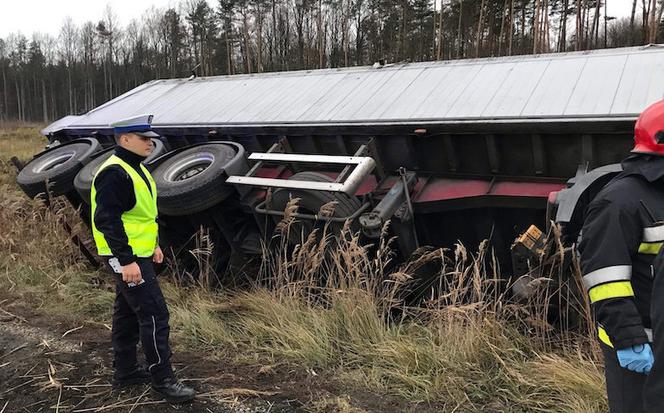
x,y
610,84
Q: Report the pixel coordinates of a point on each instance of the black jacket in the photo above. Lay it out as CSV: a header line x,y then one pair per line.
x,y
622,234
115,195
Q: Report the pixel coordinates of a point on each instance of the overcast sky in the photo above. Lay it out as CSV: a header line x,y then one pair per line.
x,y
46,16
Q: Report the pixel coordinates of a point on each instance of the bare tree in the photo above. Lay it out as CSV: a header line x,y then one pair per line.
x,y
173,34
227,14
259,8
68,40
480,28
4,110
631,21
657,22
345,31
246,16
111,21
562,33
88,46
511,30
645,20
459,37
439,51
321,35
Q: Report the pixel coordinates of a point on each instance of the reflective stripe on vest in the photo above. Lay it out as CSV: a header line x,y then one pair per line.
x,y
604,336
139,223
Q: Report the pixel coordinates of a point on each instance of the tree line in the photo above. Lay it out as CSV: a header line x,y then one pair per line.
x,y
45,77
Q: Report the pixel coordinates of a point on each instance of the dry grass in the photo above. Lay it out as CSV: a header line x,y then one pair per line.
x,y
20,141
333,405
331,306
466,346
37,258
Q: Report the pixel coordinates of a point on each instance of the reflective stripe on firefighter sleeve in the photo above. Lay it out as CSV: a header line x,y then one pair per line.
x,y
612,231
650,248
652,240
607,274
604,336
611,290
653,234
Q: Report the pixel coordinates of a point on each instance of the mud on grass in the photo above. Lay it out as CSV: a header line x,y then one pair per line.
x,y
43,371
59,363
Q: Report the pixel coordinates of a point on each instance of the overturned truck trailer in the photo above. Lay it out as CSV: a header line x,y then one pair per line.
x,y
455,150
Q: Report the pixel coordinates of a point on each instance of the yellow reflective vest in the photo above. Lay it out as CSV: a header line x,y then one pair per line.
x,y
139,223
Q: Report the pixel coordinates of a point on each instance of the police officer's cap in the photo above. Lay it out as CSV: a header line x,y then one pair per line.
x,y
140,125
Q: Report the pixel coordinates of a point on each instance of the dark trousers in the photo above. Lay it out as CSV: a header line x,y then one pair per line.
x,y
140,313
623,387
653,394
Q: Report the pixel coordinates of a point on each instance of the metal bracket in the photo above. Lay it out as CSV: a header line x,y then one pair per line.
x,y
363,167
362,151
398,195
277,147
261,209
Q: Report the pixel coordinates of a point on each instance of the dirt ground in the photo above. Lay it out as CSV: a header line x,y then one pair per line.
x,y
51,365
41,371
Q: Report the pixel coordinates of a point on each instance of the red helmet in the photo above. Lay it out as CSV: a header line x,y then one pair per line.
x,y
649,130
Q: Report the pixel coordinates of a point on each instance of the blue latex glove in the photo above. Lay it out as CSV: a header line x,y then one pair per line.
x,y
638,358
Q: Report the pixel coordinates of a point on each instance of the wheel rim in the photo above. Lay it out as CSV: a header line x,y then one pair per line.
x,y
53,162
189,167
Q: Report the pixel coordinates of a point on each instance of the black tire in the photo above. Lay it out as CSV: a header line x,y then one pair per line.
x,y
83,180
58,166
192,181
311,202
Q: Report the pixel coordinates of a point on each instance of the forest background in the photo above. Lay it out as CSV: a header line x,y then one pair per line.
x,y
46,76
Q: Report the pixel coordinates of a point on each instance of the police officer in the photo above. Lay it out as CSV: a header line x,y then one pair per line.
x,y
622,234
124,211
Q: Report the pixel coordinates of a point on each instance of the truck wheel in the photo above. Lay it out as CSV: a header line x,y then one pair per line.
x,y
83,180
310,203
58,166
192,181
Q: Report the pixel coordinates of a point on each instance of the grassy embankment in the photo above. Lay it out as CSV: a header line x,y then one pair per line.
x,y
466,349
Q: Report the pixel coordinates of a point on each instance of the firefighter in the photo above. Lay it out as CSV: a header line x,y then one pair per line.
x,y
125,230
622,234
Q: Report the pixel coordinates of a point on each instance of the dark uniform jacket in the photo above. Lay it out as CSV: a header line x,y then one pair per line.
x,y
115,195
622,234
